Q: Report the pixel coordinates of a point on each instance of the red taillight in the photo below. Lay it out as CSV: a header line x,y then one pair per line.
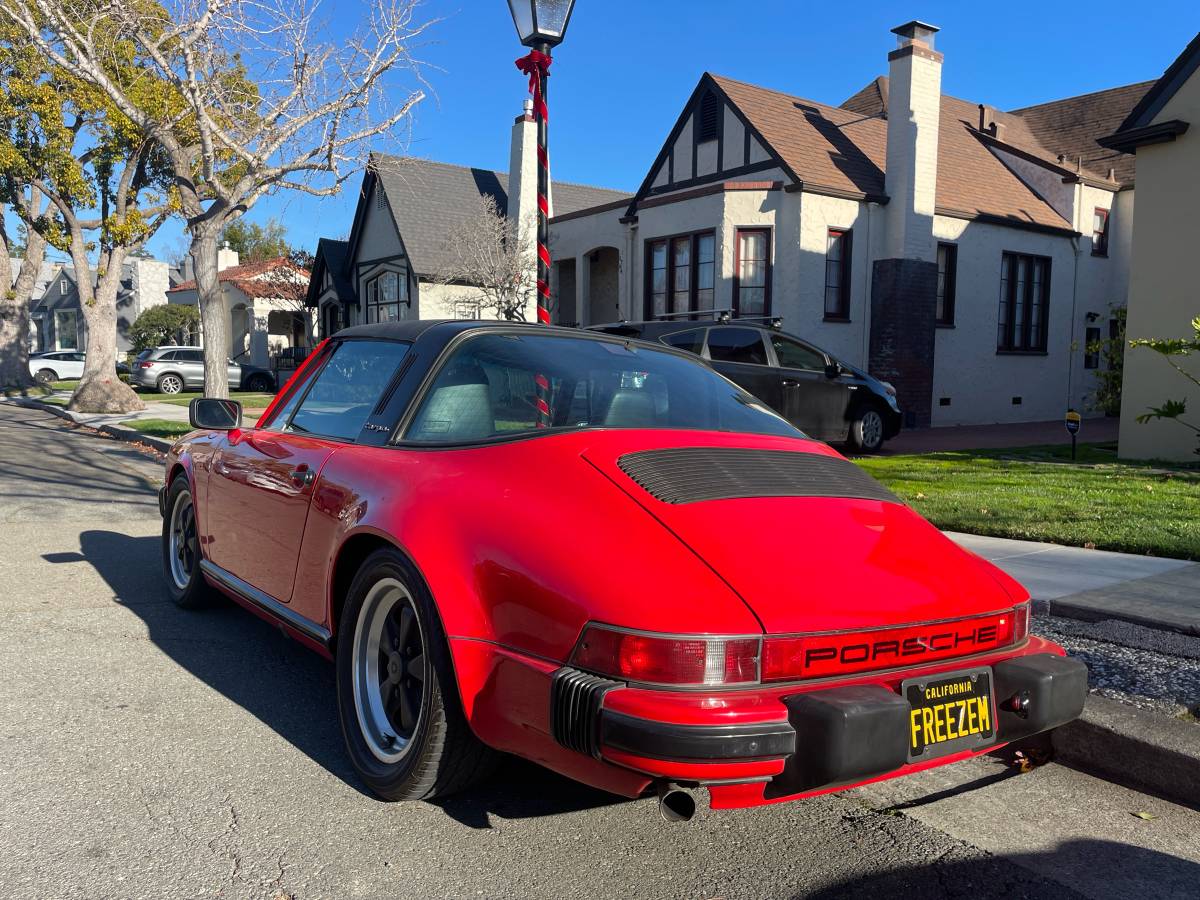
x,y
822,655
654,659
145,365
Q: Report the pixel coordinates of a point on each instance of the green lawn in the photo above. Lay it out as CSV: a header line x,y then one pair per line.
x,y
1037,493
248,399
163,428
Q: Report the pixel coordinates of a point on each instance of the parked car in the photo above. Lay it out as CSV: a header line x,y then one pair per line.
x,y
598,554
170,370
61,365
822,396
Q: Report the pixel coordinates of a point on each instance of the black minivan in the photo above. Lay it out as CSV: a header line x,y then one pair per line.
x,y
822,396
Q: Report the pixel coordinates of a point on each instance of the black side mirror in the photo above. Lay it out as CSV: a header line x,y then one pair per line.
x,y
832,370
215,414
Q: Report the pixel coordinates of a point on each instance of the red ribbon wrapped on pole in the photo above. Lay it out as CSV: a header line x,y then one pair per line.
x,y
536,65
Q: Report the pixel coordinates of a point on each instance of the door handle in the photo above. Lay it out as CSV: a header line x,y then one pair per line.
x,y
302,475
787,382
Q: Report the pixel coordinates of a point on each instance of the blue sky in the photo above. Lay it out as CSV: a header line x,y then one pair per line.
x,y
626,67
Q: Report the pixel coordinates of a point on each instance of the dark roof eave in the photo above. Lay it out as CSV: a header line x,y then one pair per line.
x,y
808,187
1128,141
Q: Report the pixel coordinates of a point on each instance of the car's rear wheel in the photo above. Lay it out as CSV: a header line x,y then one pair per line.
x,y
46,376
181,548
259,383
170,384
397,698
866,430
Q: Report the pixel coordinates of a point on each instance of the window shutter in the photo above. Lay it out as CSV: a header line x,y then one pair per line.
x,y
709,118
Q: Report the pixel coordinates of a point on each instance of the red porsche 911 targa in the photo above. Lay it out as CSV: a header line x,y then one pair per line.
x,y
600,555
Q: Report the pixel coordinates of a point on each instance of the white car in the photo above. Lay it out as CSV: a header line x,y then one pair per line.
x,y
58,365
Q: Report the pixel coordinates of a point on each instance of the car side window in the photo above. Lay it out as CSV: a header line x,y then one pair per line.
x,y
347,388
193,356
169,356
737,345
691,340
795,355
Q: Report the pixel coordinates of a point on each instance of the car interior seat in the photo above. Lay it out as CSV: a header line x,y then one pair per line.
x,y
458,409
631,409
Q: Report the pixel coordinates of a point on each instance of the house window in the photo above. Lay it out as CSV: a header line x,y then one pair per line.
x,y
1091,349
385,293
947,263
1024,303
62,285
709,119
837,274
680,274
752,273
1100,232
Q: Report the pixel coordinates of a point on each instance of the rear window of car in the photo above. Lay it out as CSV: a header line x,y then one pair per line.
x,y
488,388
346,389
737,345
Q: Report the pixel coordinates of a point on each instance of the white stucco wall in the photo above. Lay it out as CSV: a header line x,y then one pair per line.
x,y
979,381
1163,296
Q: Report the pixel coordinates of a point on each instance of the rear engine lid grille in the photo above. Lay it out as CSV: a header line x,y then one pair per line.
x,y
692,474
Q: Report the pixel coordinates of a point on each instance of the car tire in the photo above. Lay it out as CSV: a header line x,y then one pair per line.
x,y
866,430
170,384
46,376
400,712
259,383
181,548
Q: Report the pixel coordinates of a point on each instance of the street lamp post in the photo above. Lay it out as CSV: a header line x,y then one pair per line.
x,y
541,25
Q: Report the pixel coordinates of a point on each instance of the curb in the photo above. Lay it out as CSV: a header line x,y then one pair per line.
x,y
120,432
1142,750
1084,613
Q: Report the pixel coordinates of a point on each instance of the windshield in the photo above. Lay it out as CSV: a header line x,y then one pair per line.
x,y
488,388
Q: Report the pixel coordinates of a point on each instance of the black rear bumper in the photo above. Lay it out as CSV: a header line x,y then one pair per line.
x,y
832,737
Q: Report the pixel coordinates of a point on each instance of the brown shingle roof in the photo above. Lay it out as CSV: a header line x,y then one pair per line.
x,y
846,150
261,280
1071,127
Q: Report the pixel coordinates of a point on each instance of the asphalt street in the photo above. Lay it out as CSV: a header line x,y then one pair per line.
x,y
149,752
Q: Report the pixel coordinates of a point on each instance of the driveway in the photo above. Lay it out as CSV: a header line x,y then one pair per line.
x,y
148,752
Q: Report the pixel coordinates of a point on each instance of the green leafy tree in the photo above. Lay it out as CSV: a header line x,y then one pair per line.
x,y
102,176
167,323
1111,374
256,243
1173,349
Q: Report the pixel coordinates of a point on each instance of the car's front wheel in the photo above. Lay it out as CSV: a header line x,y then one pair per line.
x,y
181,548
866,430
170,384
397,698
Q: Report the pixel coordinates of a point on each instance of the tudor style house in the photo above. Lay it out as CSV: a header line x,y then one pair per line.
x,y
390,266
965,254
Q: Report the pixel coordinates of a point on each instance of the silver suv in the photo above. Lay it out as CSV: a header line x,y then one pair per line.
x,y
173,369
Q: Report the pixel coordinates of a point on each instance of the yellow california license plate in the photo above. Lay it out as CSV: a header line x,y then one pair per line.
x,y
949,713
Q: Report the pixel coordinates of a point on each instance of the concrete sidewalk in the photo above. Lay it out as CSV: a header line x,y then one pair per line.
x,y
1098,584
991,437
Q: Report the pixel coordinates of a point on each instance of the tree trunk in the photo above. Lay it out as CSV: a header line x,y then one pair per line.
x,y
214,318
100,390
14,311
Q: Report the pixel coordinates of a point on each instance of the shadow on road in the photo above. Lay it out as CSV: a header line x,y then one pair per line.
x,y
289,688
1161,875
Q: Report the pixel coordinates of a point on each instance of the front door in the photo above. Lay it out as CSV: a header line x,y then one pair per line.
x,y
740,355
258,495
812,401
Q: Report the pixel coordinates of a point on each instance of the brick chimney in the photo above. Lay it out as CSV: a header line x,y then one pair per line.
x,y
904,279
914,108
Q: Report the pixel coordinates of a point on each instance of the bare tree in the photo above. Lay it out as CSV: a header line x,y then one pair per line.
x,y
490,264
270,99
18,292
